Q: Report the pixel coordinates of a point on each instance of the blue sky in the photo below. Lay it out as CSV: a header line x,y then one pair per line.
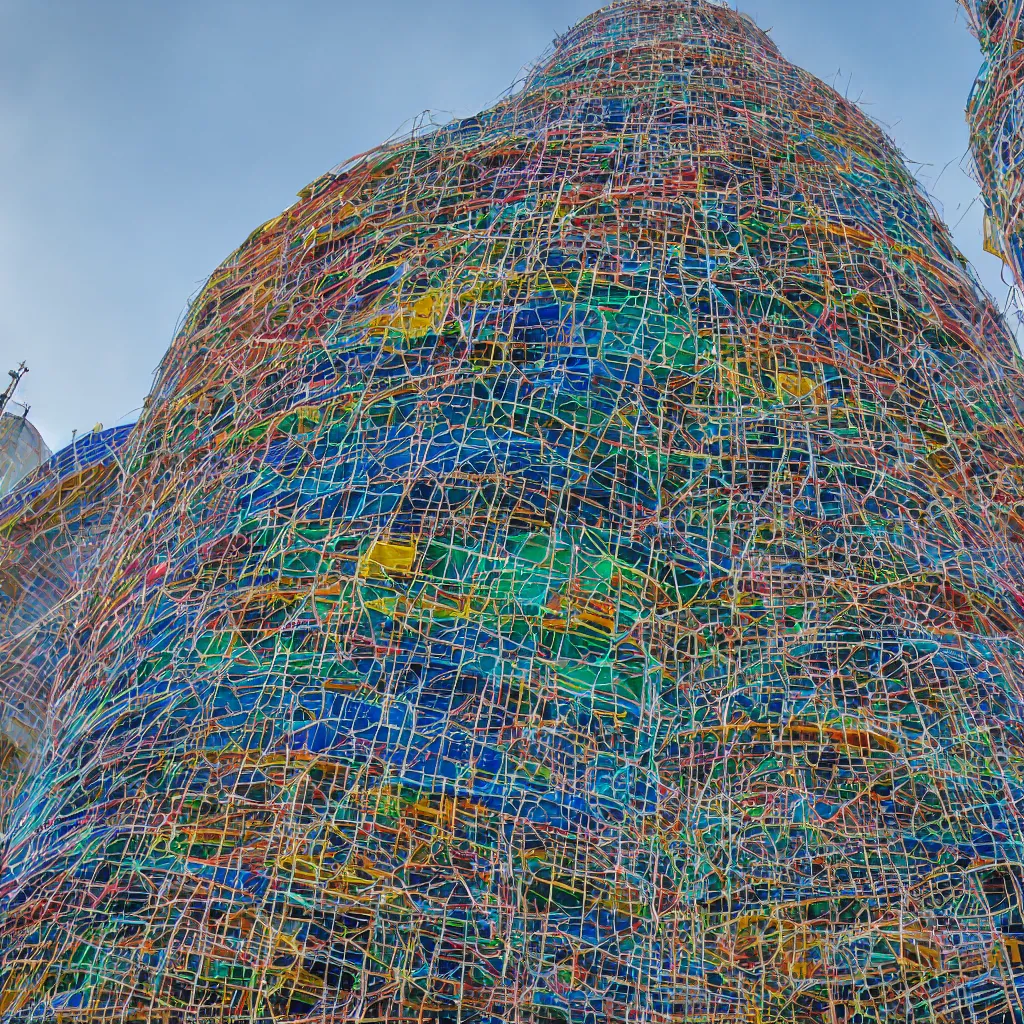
x,y
141,142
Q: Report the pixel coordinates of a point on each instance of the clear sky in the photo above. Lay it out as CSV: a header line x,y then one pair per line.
x,y
140,142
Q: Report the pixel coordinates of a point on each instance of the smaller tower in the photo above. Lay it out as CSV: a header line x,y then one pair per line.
x,y
22,448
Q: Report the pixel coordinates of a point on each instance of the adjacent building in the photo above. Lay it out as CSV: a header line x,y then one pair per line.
x,y
52,529
996,117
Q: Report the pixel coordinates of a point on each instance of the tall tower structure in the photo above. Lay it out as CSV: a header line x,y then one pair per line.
x,y
569,569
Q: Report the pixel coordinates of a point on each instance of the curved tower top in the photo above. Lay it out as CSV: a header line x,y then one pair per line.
x,y
630,24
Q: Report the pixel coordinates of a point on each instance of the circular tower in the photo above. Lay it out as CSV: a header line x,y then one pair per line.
x,y
569,569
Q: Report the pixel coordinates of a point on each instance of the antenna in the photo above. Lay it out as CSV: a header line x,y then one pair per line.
x,y
15,376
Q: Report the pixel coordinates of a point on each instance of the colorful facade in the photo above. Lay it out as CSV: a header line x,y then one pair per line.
x,y
569,569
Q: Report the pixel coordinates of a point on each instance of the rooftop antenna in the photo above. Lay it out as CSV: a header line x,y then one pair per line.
x,y
15,376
